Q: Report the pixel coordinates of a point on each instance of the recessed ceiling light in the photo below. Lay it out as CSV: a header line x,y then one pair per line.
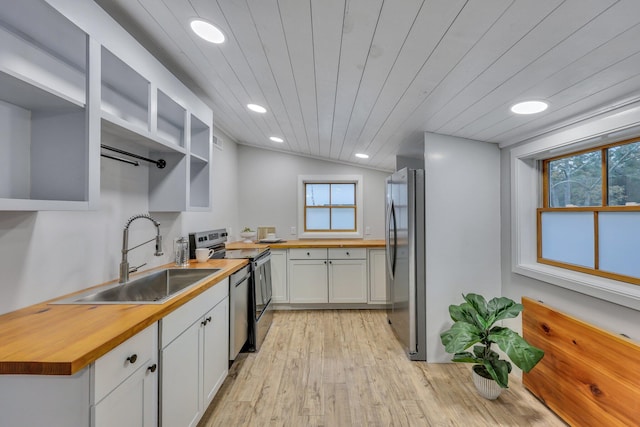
x,y
207,31
362,155
529,107
257,108
276,139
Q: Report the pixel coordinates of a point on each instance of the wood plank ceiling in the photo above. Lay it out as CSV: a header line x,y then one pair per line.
x,y
345,76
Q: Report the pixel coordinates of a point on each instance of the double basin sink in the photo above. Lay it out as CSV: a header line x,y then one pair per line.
x,y
152,288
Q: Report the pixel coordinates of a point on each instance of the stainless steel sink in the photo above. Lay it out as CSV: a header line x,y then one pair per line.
x,y
152,288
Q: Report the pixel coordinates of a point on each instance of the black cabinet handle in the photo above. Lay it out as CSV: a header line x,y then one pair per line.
x,y
308,254
208,319
132,359
152,368
205,321
347,253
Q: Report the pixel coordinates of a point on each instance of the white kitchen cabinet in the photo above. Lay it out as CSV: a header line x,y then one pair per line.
x,y
377,276
125,383
133,404
348,281
215,350
335,275
279,283
347,275
308,281
194,356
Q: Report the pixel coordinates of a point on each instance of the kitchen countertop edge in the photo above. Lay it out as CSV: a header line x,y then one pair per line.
x,y
19,334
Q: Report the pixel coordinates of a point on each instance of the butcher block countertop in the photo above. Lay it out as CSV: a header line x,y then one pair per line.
x,y
311,243
48,339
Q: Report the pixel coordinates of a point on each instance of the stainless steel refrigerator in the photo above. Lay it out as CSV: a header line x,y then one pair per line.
x,y
405,253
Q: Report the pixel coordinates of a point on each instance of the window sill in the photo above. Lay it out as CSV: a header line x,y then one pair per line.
x,y
625,294
330,235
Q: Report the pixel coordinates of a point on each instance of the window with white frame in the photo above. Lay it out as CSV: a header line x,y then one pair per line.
x,y
330,206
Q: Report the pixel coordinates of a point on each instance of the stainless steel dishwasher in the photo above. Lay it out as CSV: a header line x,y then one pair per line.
x,y
238,311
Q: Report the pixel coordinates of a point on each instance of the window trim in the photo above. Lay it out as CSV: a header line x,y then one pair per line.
x,y
330,179
526,197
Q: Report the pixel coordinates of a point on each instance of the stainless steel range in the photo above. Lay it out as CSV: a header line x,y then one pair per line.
x,y
259,315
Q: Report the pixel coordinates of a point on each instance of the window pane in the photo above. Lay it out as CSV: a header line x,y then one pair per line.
x,y
576,180
317,195
343,194
343,219
619,241
623,181
318,219
568,237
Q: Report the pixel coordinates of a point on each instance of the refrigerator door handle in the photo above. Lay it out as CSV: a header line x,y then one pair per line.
x,y
391,246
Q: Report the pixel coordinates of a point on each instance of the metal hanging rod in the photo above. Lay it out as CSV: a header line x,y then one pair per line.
x,y
120,159
160,163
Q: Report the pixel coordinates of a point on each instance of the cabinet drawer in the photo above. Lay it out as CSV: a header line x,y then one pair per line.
x,y
347,253
180,319
309,253
116,366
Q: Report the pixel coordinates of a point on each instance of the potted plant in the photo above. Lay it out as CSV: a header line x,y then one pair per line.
x,y
474,322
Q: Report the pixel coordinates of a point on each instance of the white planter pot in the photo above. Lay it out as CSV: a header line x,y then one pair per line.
x,y
489,389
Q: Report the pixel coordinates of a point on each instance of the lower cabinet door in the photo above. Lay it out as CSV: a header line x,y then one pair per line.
x,y
180,398
133,403
216,349
348,281
308,281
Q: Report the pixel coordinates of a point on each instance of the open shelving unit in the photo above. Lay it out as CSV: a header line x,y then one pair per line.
x,y
44,146
62,92
199,164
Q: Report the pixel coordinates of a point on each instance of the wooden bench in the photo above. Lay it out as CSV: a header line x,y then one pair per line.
x,y
588,376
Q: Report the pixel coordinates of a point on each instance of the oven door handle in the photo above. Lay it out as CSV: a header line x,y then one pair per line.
x,y
262,260
245,278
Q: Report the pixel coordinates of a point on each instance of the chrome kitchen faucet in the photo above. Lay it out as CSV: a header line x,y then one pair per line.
x,y
124,265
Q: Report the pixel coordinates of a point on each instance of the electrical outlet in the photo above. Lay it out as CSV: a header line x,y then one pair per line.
x,y
367,230
293,230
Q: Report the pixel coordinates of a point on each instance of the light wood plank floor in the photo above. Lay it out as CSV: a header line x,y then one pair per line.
x,y
345,368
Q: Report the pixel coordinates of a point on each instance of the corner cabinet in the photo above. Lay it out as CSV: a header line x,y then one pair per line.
x,y
81,82
194,350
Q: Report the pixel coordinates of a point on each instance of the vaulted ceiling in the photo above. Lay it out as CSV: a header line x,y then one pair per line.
x,y
344,76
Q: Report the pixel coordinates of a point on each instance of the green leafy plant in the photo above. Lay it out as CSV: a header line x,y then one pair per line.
x,y
247,230
474,322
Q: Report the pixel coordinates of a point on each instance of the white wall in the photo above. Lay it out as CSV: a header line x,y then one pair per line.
x,y
47,254
268,183
462,228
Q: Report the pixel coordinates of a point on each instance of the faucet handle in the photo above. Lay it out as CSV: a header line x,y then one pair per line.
x,y
134,269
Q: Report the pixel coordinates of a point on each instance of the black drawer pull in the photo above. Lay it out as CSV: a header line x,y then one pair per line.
x,y
152,368
132,359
